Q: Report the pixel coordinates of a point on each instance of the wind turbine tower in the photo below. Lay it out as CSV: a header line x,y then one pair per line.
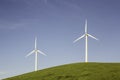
x,y
86,35
36,51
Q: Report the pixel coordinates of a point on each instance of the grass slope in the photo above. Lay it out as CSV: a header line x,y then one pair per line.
x,y
76,71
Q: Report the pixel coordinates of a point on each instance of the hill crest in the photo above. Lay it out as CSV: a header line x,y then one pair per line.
x,y
75,71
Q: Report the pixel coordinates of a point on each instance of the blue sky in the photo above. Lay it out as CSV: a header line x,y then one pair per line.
x,y
56,23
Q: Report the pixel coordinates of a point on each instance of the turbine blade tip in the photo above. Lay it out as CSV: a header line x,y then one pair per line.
x,y
74,41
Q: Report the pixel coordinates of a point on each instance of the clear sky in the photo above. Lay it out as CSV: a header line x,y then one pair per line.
x,y
57,23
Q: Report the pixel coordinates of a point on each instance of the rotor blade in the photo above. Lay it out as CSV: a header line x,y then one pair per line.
x,y
30,53
35,42
86,26
41,53
79,38
92,37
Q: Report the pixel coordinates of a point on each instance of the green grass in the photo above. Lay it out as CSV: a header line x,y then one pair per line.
x,y
76,71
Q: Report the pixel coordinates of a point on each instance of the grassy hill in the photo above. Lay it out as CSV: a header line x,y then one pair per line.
x,y
76,71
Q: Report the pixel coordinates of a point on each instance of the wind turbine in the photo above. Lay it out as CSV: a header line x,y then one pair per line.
x,y
86,41
36,51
